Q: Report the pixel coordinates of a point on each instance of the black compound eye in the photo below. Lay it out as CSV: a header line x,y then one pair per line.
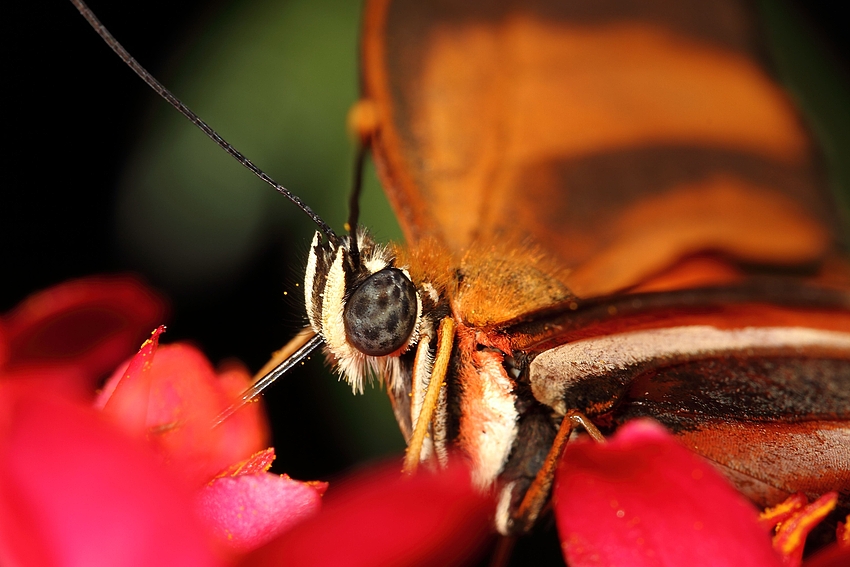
x,y
381,313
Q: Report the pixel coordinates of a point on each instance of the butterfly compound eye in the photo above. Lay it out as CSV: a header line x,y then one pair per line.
x,y
381,313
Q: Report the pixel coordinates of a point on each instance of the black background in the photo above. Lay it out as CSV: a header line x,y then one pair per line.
x,y
72,117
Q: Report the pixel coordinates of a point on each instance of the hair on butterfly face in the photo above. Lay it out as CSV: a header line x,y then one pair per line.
x,y
376,321
368,310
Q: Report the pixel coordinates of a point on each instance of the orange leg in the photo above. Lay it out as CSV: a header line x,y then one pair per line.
x,y
538,493
445,338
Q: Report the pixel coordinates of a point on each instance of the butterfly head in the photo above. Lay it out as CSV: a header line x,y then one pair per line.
x,y
367,309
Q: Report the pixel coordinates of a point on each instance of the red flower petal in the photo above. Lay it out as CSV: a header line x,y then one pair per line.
x,y
4,345
77,492
246,511
771,517
90,325
185,397
259,462
643,499
382,518
69,382
832,556
127,403
790,538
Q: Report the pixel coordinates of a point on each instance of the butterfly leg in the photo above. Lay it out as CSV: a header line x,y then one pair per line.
x,y
285,352
281,362
538,493
445,340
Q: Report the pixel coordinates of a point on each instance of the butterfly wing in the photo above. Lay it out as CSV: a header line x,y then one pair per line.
x,y
625,178
618,137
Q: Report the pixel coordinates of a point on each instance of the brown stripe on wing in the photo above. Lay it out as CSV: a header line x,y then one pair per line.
x,y
617,138
774,425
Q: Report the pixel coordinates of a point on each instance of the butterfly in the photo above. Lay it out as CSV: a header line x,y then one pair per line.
x,y
635,223
584,258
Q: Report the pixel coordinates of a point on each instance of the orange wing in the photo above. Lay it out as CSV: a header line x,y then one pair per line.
x,y
561,163
606,141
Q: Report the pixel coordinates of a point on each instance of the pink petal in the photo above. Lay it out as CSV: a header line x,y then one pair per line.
x,y
185,397
89,324
70,382
128,403
77,492
644,500
791,534
382,518
259,462
246,511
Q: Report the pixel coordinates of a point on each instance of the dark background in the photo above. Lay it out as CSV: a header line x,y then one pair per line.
x,y
76,119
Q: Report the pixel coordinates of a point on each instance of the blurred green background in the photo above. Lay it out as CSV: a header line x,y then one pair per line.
x,y
105,177
276,79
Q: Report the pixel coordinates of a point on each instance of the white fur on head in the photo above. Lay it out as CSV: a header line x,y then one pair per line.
x,y
351,363
309,281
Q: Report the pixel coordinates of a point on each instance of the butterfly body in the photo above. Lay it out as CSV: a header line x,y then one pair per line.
x,y
623,214
740,371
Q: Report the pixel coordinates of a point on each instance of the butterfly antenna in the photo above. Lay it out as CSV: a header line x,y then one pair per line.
x,y
354,204
195,119
257,387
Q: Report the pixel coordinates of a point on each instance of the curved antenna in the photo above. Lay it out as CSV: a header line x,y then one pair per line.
x,y
160,89
257,387
354,204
